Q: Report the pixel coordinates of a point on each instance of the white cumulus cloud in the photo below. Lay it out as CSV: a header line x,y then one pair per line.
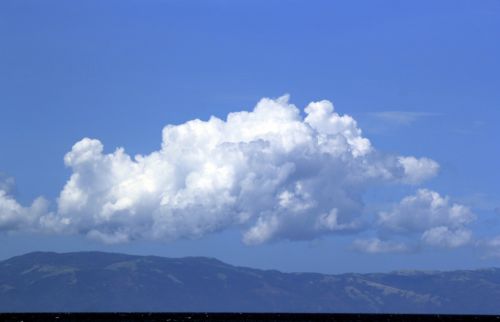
x,y
273,172
440,222
443,236
15,217
418,170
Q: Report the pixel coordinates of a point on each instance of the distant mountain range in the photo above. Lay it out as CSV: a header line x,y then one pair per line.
x,y
95,281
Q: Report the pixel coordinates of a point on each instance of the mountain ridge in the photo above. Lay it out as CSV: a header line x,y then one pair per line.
x,y
99,281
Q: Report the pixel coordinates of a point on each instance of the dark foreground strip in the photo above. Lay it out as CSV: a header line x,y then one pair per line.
x,y
192,317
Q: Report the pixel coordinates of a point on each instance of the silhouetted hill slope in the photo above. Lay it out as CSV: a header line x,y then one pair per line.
x,y
95,281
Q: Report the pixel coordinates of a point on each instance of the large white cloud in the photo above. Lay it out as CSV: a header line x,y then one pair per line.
x,y
272,172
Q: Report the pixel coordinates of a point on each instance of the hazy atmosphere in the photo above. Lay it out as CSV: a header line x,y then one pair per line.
x,y
322,136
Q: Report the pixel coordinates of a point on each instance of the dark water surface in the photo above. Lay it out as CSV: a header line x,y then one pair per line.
x,y
172,317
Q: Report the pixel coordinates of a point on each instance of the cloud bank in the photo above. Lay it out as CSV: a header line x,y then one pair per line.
x,y
274,173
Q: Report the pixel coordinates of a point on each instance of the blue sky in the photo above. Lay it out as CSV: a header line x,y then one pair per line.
x,y
420,78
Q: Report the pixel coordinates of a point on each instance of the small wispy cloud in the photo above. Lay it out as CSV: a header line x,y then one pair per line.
x,y
377,246
481,201
490,246
401,117
473,127
7,183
